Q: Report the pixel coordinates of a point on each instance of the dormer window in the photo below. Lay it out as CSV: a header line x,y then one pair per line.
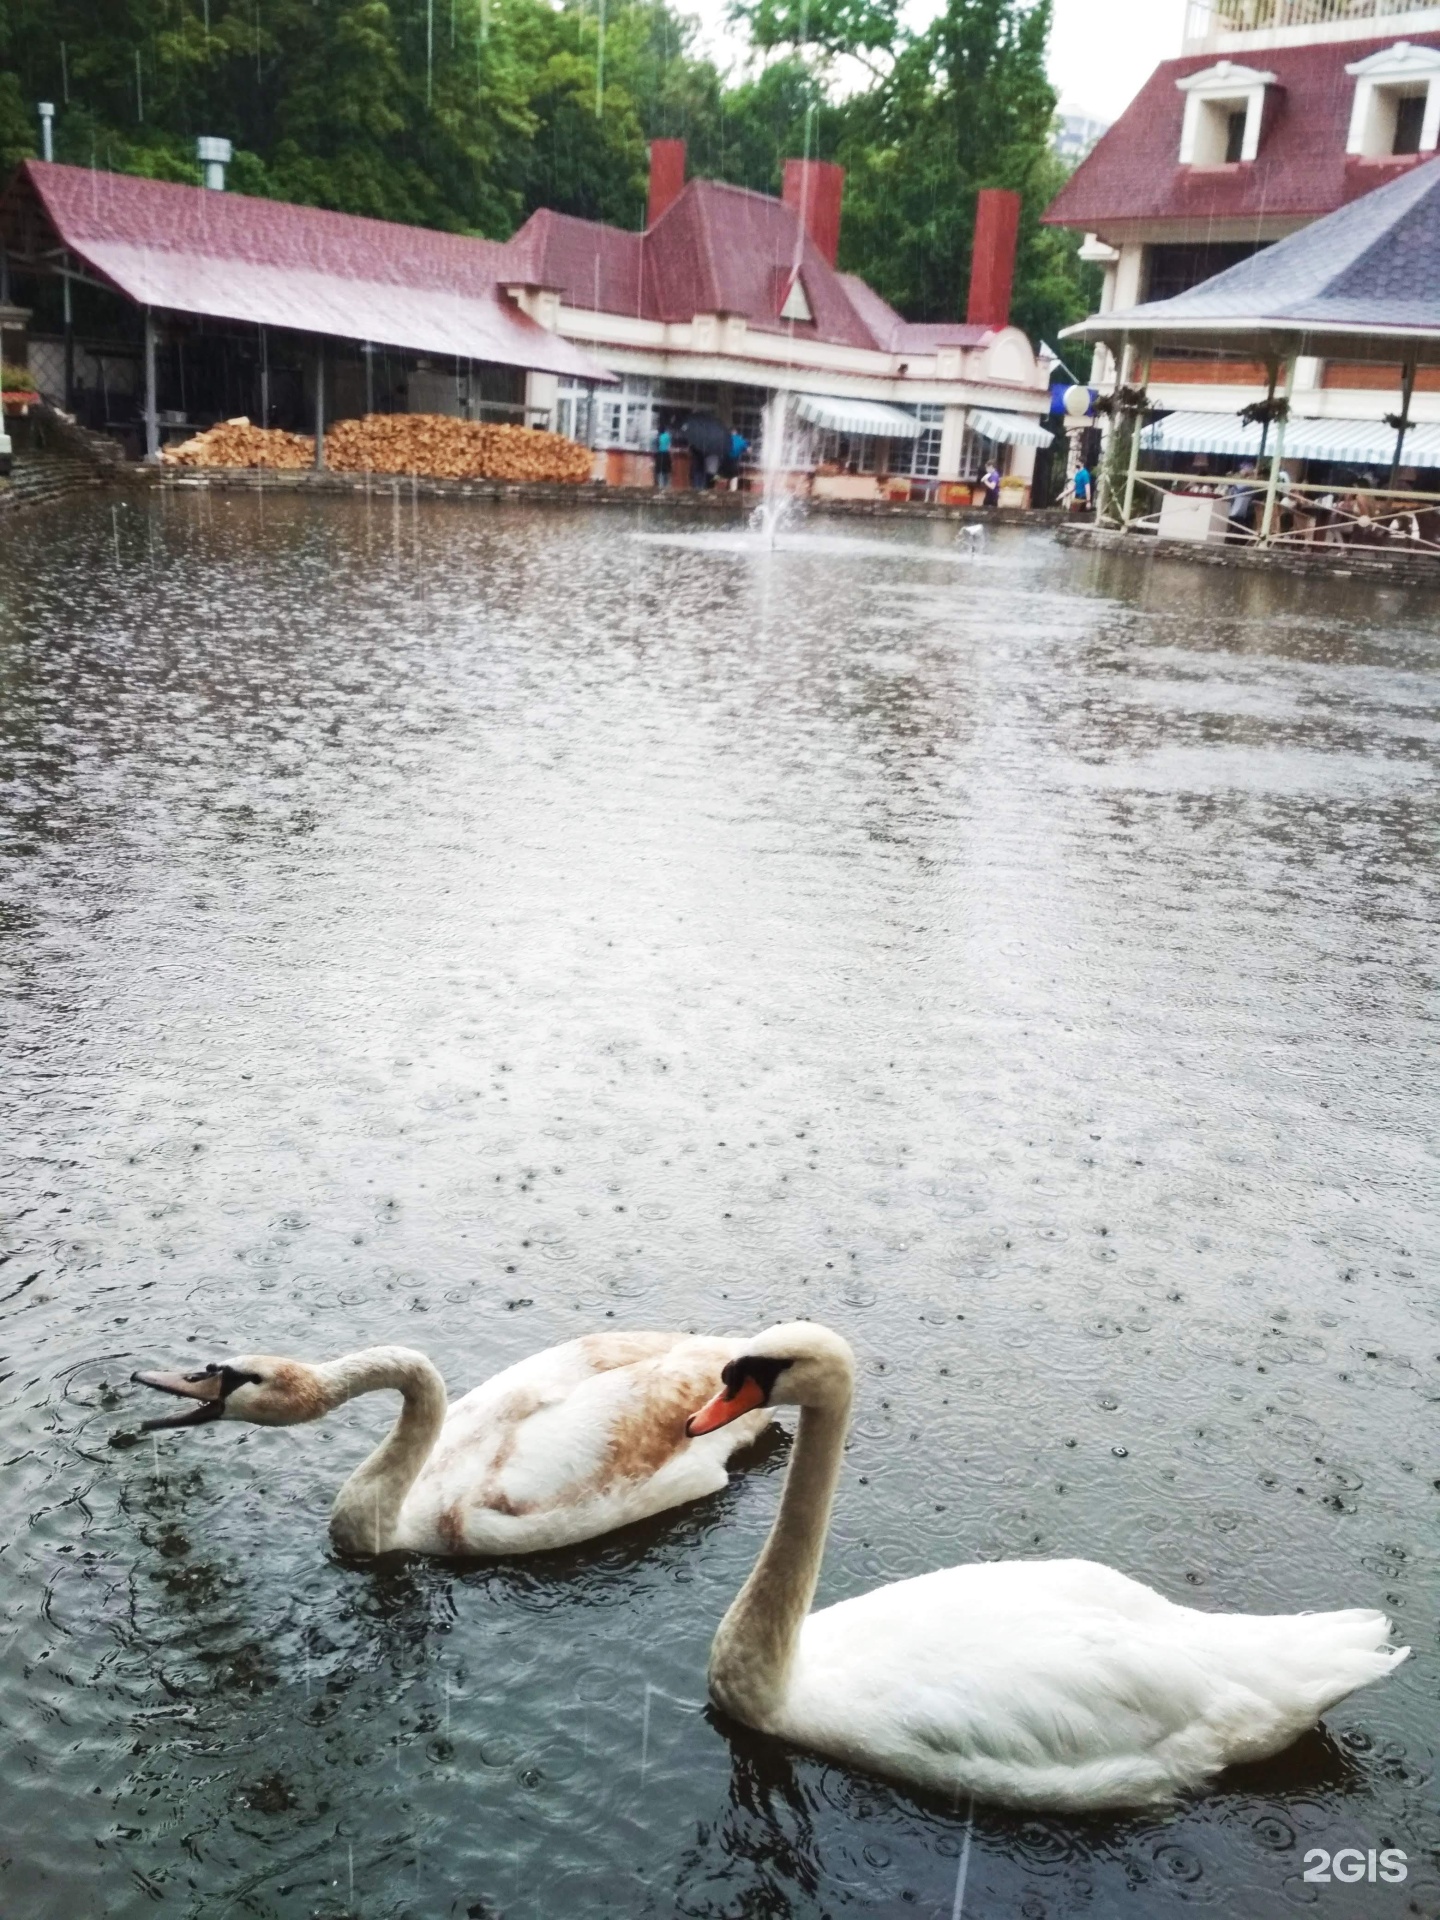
x,y
1397,102
796,304
1224,115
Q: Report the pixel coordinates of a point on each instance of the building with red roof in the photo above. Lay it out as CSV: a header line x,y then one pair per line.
x,y
182,305
1278,113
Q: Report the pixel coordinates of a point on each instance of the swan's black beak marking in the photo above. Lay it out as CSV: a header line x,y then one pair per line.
x,y
210,1387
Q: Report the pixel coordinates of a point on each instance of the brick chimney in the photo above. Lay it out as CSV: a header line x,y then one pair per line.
x,y
815,189
992,263
667,177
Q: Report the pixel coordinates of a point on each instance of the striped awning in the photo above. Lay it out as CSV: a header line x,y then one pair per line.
x,y
865,417
1009,429
1346,442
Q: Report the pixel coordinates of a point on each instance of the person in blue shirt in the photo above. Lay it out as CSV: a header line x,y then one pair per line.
x,y
1084,485
662,459
735,459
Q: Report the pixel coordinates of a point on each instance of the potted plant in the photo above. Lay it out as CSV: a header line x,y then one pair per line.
x,y
18,391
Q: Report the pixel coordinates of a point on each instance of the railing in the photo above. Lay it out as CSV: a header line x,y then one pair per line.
x,y
1235,512
1208,18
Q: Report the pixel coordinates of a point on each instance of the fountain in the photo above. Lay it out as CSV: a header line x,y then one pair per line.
x,y
779,509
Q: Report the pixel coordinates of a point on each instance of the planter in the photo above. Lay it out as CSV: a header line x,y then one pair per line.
x,y
18,404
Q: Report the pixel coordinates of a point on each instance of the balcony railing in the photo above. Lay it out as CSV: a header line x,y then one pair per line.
x,y
1210,18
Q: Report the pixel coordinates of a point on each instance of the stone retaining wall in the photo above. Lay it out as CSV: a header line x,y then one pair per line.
x,y
683,502
1337,563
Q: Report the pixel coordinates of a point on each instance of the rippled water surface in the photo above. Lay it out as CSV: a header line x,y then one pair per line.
x,y
468,928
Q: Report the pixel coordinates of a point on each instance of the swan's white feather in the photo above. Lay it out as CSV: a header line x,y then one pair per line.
x,y
572,1443
1063,1684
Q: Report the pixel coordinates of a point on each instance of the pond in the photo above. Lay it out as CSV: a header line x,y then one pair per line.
x,y
470,927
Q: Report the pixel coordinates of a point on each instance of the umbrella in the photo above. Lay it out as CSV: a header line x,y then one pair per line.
x,y
705,435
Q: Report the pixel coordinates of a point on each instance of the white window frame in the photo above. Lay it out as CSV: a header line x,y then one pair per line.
x,y
1401,72
1211,96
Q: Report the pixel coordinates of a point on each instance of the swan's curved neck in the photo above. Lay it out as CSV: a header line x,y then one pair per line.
x,y
368,1505
754,1648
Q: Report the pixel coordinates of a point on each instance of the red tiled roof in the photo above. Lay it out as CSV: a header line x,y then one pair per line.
x,y
908,336
269,263
716,249
587,264
1302,170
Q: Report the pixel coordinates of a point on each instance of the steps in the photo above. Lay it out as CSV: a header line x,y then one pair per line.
x,y
39,478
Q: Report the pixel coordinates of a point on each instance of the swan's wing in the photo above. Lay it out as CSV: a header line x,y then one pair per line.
x,y
575,1441
1064,1684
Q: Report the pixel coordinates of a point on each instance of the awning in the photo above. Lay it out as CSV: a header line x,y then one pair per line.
x,y
418,320
1346,442
870,417
1009,429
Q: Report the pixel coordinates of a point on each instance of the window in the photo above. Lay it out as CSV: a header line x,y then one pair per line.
x,y
574,412
1409,122
1224,115
1397,102
1178,266
925,451
625,415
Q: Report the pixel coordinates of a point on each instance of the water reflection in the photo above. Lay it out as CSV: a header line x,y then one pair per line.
x,y
469,928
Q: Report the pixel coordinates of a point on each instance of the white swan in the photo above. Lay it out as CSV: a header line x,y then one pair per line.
x,y
1040,1683
570,1443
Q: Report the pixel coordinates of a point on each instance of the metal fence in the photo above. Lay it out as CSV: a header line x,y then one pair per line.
x,y
1207,18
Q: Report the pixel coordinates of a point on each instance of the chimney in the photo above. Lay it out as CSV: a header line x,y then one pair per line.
x,y
667,177
815,189
214,156
47,129
992,262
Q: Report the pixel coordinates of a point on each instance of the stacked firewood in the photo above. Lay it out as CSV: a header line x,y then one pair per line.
x,y
236,443
440,447
430,445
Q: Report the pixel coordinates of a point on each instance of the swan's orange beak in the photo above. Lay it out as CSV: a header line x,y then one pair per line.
x,y
725,1407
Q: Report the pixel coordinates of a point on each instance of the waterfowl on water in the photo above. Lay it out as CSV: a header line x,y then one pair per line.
x,y
568,1444
1053,1684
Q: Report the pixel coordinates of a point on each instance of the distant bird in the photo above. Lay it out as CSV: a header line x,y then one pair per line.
x,y
571,1443
1039,1683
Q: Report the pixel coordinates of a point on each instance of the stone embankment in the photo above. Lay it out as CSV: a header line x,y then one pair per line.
x,y
1397,565
56,458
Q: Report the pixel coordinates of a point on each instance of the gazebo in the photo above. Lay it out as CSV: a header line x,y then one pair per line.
x,y
1361,285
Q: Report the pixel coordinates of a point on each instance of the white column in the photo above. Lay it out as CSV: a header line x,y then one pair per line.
x,y
952,443
542,395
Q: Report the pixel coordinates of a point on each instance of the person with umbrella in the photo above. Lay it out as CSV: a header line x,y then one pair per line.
x,y
709,442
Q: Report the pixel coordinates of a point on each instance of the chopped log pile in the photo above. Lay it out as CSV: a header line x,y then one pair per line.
x,y
431,445
443,448
235,443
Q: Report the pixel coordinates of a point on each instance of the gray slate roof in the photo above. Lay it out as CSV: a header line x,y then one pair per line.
x,y
1374,263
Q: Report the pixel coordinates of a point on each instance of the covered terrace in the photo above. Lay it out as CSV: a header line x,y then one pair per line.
x,y
196,304
1361,286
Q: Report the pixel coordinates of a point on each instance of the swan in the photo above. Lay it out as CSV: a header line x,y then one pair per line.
x,y
570,1443
1048,1684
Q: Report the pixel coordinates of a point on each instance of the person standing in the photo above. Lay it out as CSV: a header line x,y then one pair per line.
x,y
1084,485
739,447
662,459
990,481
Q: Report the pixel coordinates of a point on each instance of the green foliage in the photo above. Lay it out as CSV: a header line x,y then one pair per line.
x,y
468,114
967,105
